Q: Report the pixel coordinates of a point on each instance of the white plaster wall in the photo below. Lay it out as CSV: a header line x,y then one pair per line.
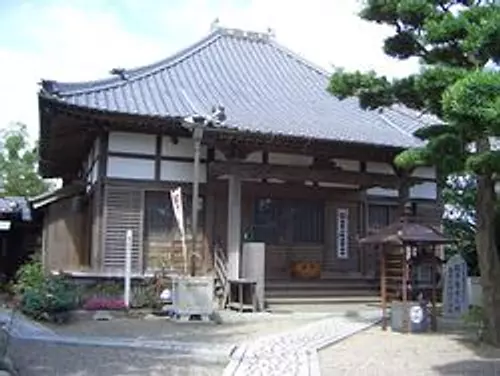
x,y
336,185
347,164
425,172
255,157
382,192
181,171
126,142
130,168
219,156
290,159
184,148
426,190
379,168
275,181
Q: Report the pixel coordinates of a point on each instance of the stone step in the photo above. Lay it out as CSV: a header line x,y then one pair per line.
x,y
278,303
321,285
299,293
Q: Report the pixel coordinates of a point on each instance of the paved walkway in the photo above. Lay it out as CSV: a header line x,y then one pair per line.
x,y
295,353
291,352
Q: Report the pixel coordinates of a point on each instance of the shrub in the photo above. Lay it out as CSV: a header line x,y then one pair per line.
x,y
474,320
29,276
43,297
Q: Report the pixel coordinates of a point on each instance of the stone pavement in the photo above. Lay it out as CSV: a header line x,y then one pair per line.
x,y
295,353
290,351
24,329
37,358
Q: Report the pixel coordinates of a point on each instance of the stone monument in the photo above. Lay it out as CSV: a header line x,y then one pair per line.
x,y
455,294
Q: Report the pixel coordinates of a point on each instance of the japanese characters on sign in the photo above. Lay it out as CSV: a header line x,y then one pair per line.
x,y
455,296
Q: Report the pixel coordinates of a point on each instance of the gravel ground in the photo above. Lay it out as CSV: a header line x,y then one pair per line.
x,y
375,352
34,358
236,327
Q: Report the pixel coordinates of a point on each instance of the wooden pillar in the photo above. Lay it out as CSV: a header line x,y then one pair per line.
x,y
406,311
209,241
99,203
383,286
434,292
362,230
234,226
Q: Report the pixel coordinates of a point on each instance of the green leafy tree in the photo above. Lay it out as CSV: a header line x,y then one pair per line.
x,y
18,164
459,195
455,41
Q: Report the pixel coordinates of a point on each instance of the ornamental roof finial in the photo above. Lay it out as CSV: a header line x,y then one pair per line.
x,y
215,24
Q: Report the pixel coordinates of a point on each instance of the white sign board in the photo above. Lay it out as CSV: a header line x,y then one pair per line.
x,y
5,225
176,197
455,294
128,267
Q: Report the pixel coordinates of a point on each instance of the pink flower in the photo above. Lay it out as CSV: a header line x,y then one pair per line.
x,y
99,303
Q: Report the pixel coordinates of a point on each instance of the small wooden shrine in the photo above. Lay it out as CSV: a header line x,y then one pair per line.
x,y
406,249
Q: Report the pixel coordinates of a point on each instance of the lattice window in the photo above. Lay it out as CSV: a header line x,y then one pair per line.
x,y
343,233
123,211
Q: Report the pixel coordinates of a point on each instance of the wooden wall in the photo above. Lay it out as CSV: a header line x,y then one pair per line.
x,y
280,257
132,163
124,204
65,240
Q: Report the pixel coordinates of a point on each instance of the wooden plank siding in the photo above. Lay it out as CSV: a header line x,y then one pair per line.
x,y
125,208
65,235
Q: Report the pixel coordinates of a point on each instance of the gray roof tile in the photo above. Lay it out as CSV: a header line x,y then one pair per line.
x,y
263,86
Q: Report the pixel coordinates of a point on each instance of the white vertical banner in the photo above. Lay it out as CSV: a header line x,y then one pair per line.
x,y
176,197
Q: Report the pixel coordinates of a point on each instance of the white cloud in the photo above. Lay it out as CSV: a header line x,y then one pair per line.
x,y
72,41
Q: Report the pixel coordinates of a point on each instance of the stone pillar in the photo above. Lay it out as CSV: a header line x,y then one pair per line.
x,y
254,267
234,226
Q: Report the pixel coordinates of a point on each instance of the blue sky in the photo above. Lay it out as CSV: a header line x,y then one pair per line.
x,y
73,40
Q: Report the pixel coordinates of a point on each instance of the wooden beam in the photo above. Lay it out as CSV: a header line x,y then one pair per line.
x,y
299,173
303,146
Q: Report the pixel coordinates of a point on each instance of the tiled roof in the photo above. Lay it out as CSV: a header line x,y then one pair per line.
x,y
263,86
15,206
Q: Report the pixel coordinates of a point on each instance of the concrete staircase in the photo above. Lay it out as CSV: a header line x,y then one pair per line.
x,y
334,290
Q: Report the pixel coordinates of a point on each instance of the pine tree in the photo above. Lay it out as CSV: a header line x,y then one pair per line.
x,y
457,43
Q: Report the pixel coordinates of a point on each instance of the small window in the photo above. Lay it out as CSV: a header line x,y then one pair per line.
x,y
343,233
